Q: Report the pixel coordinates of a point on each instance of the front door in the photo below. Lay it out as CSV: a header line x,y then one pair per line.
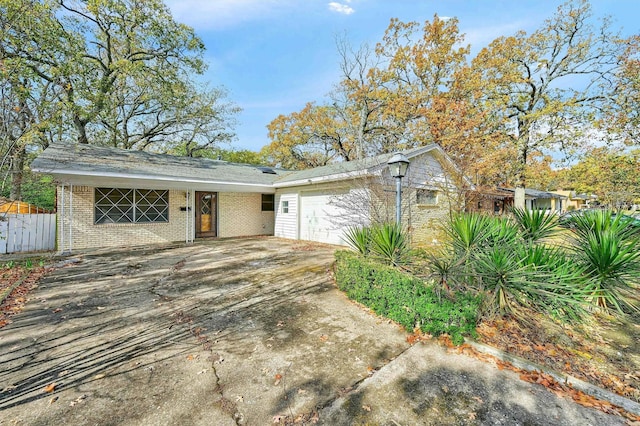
x,y
206,208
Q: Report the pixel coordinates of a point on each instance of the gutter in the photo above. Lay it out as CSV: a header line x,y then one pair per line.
x,y
148,177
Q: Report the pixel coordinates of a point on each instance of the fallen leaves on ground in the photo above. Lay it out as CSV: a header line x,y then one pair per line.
x,y
50,388
542,379
573,354
16,300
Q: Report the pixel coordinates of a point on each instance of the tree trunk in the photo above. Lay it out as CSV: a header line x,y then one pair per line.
x,y
519,198
17,170
81,127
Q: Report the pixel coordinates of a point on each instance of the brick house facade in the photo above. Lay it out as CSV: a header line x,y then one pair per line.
x,y
108,197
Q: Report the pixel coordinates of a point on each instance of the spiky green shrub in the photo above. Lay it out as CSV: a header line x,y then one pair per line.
x,y
519,277
607,249
467,232
358,238
389,244
535,225
446,270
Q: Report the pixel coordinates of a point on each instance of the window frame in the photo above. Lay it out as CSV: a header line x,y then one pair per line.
x,y
136,206
421,193
284,206
268,205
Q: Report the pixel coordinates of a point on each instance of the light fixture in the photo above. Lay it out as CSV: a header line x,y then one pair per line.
x,y
398,165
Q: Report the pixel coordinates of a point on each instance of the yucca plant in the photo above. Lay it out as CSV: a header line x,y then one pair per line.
x,y
566,291
468,231
610,258
501,231
511,280
358,238
389,243
535,225
446,269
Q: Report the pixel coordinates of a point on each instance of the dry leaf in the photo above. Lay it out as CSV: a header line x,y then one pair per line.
x,y
324,337
50,388
99,376
189,357
366,408
78,400
412,338
52,400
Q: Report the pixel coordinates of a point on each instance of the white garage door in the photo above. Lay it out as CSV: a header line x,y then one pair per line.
x,y
320,218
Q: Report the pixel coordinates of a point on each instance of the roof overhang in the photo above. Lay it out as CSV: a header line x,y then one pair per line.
x,y
119,180
324,179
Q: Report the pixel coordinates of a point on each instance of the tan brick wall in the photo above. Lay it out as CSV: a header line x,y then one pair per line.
x,y
240,214
426,220
86,234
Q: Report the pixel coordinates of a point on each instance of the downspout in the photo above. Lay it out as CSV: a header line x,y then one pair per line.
x,y
70,218
61,219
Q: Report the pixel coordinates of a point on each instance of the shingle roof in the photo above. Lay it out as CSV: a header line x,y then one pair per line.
x,y
102,161
94,160
536,193
366,164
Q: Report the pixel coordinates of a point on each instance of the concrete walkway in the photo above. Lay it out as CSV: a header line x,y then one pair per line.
x,y
248,331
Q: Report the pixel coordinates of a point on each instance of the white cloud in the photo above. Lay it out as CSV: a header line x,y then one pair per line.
x,y
341,8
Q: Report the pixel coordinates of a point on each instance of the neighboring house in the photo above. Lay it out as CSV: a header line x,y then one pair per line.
x,y
489,200
109,197
541,200
577,201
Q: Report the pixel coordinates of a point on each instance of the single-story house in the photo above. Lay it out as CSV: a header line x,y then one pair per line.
x,y
488,200
535,199
577,201
108,197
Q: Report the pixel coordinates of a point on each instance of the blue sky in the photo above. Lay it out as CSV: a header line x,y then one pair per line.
x,y
274,56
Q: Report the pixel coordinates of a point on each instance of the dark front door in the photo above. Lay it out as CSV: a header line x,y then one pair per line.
x,y
206,208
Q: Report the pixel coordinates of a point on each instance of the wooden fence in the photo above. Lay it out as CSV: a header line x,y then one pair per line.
x,y
27,232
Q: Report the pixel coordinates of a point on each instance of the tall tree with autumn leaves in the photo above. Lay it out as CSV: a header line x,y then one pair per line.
x,y
550,85
109,72
522,94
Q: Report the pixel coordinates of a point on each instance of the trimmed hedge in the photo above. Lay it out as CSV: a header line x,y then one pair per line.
x,y
404,298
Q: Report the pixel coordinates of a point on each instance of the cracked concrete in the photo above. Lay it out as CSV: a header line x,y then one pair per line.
x,y
238,332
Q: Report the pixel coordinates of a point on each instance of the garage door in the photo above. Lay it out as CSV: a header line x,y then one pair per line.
x,y
320,218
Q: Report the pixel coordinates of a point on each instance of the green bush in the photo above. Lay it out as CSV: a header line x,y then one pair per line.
x,y
404,298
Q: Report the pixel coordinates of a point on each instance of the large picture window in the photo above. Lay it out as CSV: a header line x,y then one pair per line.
x,y
117,205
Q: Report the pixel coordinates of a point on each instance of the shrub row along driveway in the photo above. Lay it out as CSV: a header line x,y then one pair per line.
x,y
248,331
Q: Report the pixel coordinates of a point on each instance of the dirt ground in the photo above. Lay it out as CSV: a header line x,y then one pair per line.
x,y
248,331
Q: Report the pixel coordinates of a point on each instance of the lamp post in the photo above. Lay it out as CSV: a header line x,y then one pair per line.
x,y
398,165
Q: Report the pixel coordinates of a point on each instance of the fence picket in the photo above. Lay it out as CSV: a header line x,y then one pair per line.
x,y
27,232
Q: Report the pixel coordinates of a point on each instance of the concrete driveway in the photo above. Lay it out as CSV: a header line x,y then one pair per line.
x,y
247,331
